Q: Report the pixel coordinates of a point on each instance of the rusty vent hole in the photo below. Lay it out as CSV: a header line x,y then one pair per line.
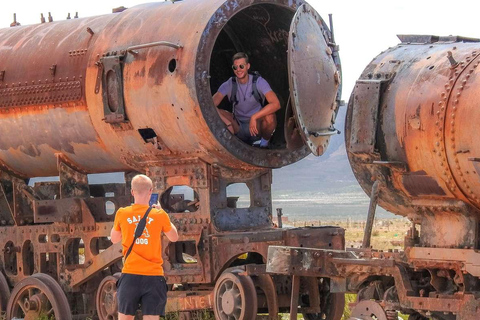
x,y
180,199
55,238
172,65
238,196
185,252
110,207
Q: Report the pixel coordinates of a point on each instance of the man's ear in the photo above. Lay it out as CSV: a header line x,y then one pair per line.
x,y
131,191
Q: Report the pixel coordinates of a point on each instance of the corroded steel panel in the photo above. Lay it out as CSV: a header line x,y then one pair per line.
x,y
41,94
363,128
311,65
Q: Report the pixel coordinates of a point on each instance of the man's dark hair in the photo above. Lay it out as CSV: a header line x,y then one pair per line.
x,y
240,55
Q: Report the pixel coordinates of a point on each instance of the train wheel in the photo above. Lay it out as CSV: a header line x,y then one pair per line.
x,y
106,298
368,310
38,296
331,304
4,293
235,297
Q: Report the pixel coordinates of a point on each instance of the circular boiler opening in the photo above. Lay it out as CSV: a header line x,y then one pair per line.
x,y
261,31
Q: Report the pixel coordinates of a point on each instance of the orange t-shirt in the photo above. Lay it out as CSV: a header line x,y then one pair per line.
x,y
146,255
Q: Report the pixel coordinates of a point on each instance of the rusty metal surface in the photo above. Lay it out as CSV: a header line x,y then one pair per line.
x,y
426,116
110,93
308,64
102,80
364,123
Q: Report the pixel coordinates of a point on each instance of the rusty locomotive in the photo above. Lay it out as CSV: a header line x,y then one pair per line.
x,y
132,92
410,138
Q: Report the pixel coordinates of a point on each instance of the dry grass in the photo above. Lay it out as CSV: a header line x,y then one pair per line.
x,y
386,234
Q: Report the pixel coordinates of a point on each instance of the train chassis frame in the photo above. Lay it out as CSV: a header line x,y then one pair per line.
x,y
57,258
436,283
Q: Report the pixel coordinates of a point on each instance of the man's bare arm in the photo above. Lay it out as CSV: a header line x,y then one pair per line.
x,y
115,236
217,98
172,235
272,107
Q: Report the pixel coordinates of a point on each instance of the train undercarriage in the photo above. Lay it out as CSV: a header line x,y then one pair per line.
x,y
58,260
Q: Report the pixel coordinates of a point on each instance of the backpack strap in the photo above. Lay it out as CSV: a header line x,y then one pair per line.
x,y
259,97
139,231
256,94
233,94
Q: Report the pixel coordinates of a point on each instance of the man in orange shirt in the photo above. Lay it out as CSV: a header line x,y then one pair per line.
x,y
142,282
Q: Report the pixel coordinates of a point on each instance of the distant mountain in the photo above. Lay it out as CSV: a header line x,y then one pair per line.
x,y
328,173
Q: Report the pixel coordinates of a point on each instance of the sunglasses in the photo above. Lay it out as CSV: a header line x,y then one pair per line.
x,y
241,66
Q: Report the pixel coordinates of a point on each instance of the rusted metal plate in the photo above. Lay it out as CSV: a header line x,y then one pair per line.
x,y
418,184
49,93
366,99
311,66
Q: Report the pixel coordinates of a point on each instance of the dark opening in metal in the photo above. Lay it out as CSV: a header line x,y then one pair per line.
x,y
185,252
180,199
261,31
27,257
147,134
75,251
10,258
172,65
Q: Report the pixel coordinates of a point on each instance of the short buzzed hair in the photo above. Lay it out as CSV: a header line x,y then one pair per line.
x,y
141,184
240,55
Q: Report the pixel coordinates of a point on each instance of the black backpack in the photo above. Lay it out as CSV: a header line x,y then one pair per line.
x,y
256,94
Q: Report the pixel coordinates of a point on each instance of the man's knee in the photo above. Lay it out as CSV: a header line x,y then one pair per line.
x,y
122,316
269,122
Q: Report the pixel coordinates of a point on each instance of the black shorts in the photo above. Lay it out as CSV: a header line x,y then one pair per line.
x,y
148,293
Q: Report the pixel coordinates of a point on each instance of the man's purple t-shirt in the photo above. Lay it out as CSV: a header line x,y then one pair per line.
x,y
247,106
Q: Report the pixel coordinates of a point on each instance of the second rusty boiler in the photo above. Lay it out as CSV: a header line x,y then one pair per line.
x,y
127,90
132,91
412,125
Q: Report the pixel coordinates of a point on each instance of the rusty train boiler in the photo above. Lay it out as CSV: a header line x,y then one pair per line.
x,y
412,135
132,92
411,138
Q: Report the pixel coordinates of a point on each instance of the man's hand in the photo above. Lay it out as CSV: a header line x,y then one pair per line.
x,y
253,126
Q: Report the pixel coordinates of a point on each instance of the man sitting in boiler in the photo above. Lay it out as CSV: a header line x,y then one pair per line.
x,y
252,118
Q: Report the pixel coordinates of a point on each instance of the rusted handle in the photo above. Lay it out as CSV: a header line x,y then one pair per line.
x,y
153,44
